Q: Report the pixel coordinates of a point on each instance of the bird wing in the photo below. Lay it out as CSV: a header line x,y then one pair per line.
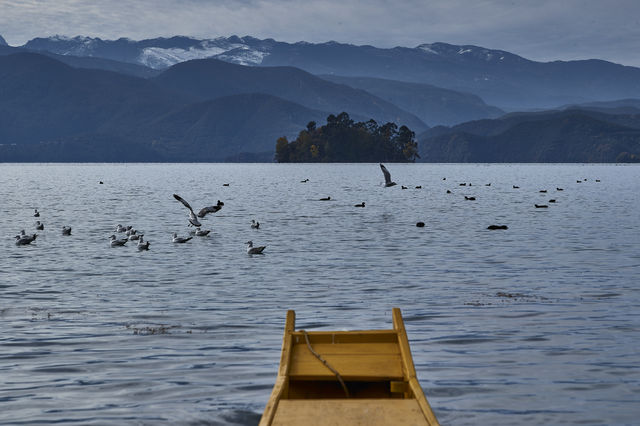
x,y
385,172
205,210
182,200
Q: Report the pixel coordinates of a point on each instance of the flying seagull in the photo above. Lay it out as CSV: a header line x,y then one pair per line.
x,y
211,209
387,176
193,220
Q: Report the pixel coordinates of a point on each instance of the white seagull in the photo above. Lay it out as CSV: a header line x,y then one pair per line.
x,y
177,239
115,242
387,176
193,220
254,250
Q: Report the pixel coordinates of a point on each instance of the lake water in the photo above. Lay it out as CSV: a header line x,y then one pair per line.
x,y
538,324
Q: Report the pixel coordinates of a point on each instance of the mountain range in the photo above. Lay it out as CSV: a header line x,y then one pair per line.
x,y
500,78
229,99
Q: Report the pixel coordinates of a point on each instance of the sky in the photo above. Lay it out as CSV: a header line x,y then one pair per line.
x,y
542,30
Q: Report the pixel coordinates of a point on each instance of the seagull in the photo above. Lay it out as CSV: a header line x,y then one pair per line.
x,y
177,239
134,237
254,224
211,209
359,205
193,220
115,242
202,232
387,176
254,250
66,230
36,213
39,225
142,245
120,228
130,231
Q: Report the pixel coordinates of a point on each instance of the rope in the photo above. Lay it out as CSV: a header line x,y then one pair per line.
x,y
326,364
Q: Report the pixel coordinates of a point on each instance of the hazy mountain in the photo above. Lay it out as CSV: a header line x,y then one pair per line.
x,y
223,128
50,111
211,78
2,41
621,106
573,135
498,77
433,105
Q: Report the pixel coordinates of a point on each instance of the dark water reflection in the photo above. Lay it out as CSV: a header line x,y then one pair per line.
x,y
535,324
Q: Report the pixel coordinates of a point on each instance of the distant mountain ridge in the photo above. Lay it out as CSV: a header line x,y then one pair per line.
x,y
2,41
430,103
211,78
568,136
500,78
50,111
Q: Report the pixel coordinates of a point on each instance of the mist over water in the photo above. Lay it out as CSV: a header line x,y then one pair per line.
x,y
535,324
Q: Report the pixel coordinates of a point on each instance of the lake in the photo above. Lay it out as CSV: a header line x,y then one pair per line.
x,y
536,324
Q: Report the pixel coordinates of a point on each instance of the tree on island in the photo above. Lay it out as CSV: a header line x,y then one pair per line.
x,y
342,140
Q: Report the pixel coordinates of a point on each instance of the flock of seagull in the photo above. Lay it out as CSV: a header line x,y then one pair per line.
x,y
130,234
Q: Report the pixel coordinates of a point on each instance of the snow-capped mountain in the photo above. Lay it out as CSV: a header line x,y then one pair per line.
x,y
500,78
158,53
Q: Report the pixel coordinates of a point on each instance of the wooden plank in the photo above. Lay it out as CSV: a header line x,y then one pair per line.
x,y
304,365
409,368
355,349
361,336
338,412
280,387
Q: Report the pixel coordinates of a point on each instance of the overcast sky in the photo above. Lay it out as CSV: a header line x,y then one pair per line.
x,y
542,30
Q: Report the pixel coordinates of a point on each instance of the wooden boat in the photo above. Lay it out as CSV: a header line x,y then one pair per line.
x,y
347,378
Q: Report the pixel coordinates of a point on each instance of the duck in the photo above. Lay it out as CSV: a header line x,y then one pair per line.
x,y
493,227
24,239
403,187
541,206
325,199
142,245
419,187
254,224
177,239
36,213
66,230
359,205
543,191
516,187
304,180
254,250
448,191
39,226
552,200
559,189
420,224
114,242
469,198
